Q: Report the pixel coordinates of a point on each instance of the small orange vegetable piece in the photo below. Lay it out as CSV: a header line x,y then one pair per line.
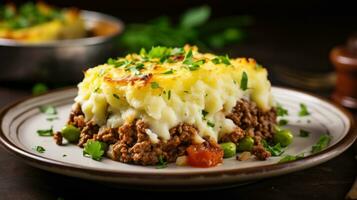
x,y
204,155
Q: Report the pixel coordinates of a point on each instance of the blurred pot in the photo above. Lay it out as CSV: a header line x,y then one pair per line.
x,y
60,61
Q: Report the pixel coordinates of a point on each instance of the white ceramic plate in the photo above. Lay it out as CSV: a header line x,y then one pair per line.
x,y
20,121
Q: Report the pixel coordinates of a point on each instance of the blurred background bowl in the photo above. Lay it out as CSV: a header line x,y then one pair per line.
x,y
61,61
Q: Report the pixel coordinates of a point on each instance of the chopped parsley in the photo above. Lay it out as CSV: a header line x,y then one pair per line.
x,y
118,63
204,114
177,51
225,60
48,109
215,61
39,88
162,163
200,62
193,67
64,155
303,110
210,124
116,96
154,85
94,149
221,59
321,144
40,149
171,71
281,111
289,158
304,133
275,150
188,58
111,61
50,119
244,81
143,52
169,95
159,52
45,132
135,68
96,90
283,122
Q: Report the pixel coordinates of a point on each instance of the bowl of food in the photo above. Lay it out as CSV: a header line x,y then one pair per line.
x,y
39,42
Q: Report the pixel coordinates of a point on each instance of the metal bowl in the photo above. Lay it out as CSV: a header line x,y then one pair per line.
x,y
61,61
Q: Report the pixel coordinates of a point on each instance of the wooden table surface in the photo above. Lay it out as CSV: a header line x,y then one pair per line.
x,y
330,180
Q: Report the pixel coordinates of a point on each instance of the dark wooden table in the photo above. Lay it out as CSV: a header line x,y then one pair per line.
x,y
330,180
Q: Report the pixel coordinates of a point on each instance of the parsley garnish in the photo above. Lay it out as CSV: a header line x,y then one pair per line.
x,y
303,110
143,52
116,96
221,59
111,61
158,52
117,63
50,119
280,111
321,144
289,158
177,51
171,71
64,155
225,60
283,122
48,109
94,149
39,88
169,95
135,68
162,163
97,90
304,133
204,114
188,58
275,150
215,61
154,85
192,66
45,132
210,124
244,81
40,149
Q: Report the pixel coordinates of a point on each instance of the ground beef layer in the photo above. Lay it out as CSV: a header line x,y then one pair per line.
x,y
130,144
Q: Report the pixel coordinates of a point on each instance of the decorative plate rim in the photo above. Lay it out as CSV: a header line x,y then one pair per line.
x,y
46,163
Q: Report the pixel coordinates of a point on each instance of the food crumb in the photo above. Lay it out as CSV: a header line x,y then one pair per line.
x,y
58,138
244,156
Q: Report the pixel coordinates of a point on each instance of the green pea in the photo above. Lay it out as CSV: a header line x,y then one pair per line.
x,y
229,149
245,144
284,137
70,133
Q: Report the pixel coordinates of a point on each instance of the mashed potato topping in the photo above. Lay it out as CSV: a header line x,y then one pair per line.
x,y
168,86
